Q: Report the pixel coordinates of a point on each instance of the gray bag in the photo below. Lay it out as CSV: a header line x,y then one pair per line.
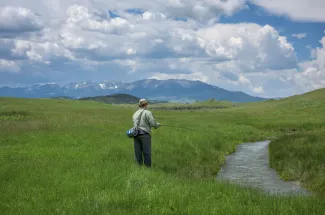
x,y
133,132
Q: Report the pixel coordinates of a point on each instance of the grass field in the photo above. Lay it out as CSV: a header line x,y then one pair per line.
x,y
73,157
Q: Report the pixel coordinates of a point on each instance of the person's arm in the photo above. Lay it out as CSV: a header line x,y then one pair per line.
x,y
152,121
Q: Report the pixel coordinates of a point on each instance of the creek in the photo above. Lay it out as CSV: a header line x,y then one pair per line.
x,y
249,166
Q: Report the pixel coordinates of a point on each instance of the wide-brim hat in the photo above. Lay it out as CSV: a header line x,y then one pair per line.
x,y
143,102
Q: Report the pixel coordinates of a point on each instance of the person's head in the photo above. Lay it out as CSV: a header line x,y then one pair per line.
x,y
143,103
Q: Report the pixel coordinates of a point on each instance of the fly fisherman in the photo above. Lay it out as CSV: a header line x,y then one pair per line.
x,y
142,142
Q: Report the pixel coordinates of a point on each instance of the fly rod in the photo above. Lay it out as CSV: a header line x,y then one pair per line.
x,y
173,126
185,128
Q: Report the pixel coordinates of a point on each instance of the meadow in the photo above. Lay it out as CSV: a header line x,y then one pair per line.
x,y
73,157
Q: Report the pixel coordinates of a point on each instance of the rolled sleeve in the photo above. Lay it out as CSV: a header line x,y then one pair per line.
x,y
152,121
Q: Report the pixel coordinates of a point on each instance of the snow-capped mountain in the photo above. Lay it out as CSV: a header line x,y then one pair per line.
x,y
149,88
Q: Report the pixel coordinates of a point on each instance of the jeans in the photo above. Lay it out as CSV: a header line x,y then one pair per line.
x,y
142,149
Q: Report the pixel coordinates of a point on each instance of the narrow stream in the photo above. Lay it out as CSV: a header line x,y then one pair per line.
x,y
249,166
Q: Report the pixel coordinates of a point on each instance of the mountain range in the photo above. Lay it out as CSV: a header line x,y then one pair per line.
x,y
163,90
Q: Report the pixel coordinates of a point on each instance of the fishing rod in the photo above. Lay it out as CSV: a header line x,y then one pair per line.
x,y
173,126
185,128
181,127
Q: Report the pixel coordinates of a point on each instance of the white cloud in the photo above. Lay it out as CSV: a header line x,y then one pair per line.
x,y
313,75
18,20
251,46
79,40
251,55
300,10
182,52
258,90
149,16
10,66
39,52
203,10
243,80
80,16
300,36
98,37
131,51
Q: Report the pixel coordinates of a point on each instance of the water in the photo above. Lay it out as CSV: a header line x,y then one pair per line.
x,y
249,166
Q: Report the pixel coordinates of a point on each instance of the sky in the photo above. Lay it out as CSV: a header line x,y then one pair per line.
x,y
260,47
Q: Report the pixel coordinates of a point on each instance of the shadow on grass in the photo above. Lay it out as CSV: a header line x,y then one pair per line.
x,y
13,115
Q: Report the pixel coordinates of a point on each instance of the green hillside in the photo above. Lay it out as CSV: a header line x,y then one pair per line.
x,y
73,157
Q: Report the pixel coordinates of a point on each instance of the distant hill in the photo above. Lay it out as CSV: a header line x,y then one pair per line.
x,y
306,103
114,99
310,101
62,97
162,90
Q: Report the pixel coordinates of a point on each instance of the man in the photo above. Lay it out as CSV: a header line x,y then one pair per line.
x,y
142,142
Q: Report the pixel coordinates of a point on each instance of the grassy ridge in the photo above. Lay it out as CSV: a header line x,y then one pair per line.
x,y
72,157
114,99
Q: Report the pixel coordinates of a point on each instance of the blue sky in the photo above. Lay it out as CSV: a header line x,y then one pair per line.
x,y
261,47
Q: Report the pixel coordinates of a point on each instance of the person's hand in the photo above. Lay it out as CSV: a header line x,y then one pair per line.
x,y
158,124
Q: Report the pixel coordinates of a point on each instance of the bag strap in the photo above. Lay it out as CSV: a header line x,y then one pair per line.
x,y
140,119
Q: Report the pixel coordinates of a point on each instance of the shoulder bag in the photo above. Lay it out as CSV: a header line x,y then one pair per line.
x,y
133,132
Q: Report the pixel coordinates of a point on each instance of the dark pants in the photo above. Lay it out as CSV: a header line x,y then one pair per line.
x,y
142,149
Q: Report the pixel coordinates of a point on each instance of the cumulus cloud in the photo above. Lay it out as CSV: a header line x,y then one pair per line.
x,y
97,37
249,51
152,45
25,50
80,16
300,10
258,90
79,40
10,66
18,20
313,75
251,46
203,10
300,36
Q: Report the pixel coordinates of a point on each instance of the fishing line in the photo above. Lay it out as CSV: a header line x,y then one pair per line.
x,y
185,128
181,127
173,126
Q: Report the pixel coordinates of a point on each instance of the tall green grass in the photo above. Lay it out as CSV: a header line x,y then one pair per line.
x,y
300,157
73,157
